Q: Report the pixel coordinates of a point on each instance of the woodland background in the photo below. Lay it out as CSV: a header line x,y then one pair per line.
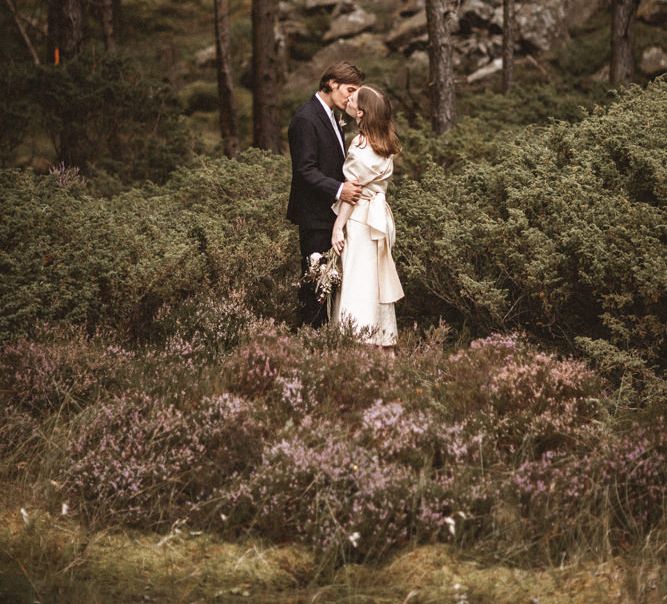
x,y
168,433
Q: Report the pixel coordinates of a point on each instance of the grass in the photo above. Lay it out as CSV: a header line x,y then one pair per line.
x,y
56,559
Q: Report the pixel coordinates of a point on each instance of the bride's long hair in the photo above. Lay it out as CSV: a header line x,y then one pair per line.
x,y
377,124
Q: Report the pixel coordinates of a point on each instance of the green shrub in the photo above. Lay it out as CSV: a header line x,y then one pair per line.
x,y
562,235
200,96
487,122
15,111
67,255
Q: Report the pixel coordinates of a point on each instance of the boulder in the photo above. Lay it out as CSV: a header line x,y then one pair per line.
x,y
653,61
295,29
408,8
407,29
286,10
475,13
205,57
416,44
477,49
313,4
350,24
346,6
497,20
542,25
484,72
653,12
577,12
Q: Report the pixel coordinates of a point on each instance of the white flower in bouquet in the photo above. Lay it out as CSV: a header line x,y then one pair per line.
x,y
323,271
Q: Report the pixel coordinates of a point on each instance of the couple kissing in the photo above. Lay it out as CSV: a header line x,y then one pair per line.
x,y
338,200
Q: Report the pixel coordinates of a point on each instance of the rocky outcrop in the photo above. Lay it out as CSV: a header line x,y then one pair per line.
x,y
477,13
306,76
406,31
653,12
541,25
577,12
484,72
311,4
408,8
653,61
350,24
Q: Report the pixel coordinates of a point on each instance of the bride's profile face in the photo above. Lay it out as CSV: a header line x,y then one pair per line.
x,y
352,108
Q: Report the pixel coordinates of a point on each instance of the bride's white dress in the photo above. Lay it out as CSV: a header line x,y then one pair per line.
x,y
370,284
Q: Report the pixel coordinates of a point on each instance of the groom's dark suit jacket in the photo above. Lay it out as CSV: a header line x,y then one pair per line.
x,y
317,167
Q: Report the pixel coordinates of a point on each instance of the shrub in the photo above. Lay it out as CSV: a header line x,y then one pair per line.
x,y
487,123
318,487
316,438
60,370
141,460
199,96
620,478
561,236
71,256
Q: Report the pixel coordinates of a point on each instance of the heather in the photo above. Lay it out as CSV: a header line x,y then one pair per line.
x,y
315,439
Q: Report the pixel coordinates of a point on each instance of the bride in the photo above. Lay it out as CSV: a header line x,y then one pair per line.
x,y
364,233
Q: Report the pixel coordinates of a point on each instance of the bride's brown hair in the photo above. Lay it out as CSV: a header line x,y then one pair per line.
x,y
376,124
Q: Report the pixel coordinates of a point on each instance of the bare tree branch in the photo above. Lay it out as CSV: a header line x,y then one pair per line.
x,y
23,32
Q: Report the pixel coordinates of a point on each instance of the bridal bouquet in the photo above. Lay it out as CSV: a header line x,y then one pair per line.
x,y
323,270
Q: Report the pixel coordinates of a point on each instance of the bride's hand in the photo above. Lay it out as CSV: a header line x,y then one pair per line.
x,y
337,240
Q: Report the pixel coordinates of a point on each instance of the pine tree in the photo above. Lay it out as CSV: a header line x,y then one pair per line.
x,y
508,44
65,29
228,124
622,65
441,17
266,70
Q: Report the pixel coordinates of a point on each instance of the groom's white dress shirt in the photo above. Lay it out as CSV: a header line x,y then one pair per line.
x,y
332,117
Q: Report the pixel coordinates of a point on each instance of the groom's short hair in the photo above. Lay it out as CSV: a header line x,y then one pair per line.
x,y
343,73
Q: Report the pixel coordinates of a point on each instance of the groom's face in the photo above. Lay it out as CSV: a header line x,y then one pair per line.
x,y
340,93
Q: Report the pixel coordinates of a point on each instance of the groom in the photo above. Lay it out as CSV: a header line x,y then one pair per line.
x,y
317,147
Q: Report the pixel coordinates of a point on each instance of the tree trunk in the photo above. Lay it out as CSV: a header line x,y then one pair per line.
x,y
266,72
108,22
228,127
65,29
441,18
622,66
508,44
64,41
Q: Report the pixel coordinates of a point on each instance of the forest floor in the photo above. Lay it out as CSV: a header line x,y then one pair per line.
x,y
53,558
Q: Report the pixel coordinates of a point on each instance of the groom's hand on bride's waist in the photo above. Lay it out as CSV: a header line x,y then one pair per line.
x,y
351,192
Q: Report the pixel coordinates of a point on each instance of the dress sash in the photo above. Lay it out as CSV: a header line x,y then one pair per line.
x,y
379,218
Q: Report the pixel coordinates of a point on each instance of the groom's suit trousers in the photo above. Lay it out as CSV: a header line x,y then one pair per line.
x,y
310,310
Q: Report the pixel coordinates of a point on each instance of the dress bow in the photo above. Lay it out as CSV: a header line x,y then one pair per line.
x,y
381,222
